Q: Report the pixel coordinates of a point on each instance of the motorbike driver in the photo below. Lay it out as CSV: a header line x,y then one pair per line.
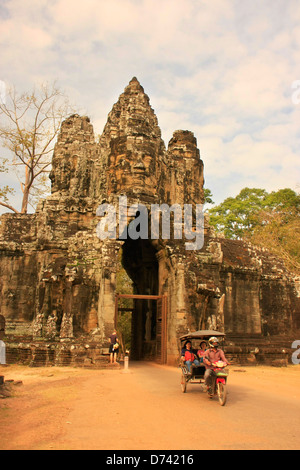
x,y
213,354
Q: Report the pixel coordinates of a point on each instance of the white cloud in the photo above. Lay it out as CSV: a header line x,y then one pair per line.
x,y
221,69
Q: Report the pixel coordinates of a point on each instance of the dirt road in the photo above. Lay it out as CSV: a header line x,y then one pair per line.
x,y
144,409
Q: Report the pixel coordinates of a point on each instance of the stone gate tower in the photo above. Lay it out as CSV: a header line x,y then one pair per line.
x,y
58,278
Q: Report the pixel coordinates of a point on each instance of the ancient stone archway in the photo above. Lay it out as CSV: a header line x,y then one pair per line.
x,y
140,262
146,346
58,277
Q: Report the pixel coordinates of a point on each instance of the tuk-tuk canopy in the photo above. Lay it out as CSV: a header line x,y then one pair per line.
x,y
202,334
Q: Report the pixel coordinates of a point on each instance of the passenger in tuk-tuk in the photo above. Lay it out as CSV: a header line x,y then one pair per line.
x,y
201,351
188,356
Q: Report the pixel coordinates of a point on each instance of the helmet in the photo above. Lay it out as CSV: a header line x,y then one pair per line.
x,y
212,341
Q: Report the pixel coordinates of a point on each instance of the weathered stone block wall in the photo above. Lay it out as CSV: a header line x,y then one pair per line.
x,y
18,280
58,280
279,306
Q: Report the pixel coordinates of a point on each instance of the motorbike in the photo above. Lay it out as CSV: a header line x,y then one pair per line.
x,y
219,381
196,375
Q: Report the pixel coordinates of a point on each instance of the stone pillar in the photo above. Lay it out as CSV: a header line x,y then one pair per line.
x,y
2,353
66,329
107,291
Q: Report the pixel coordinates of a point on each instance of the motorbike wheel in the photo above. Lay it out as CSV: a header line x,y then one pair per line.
x,y
183,384
222,393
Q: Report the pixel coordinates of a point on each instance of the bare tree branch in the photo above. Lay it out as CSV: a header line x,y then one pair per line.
x,y
30,127
9,207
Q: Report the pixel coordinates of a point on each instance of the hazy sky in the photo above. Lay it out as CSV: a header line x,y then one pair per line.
x,y
223,69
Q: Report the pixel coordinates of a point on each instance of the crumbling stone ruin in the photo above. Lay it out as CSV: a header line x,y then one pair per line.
x,y
58,278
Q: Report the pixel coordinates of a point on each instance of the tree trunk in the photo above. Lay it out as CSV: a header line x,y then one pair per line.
x,y
26,189
25,200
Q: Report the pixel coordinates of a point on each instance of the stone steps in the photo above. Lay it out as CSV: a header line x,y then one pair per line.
x,y
254,350
250,350
57,354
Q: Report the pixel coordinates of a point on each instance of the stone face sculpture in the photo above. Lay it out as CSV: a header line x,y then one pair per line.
x,y
58,279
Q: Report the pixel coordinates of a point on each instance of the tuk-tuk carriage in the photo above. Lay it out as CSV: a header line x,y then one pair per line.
x,y
196,374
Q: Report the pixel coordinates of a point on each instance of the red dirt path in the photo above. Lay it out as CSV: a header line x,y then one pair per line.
x,y
144,408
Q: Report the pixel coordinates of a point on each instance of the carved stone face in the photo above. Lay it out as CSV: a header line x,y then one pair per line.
x,y
131,167
133,138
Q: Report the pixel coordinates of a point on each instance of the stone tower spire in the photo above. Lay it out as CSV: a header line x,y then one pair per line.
x,y
132,115
132,145
73,153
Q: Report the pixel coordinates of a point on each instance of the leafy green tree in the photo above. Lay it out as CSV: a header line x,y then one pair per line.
x,y
208,196
285,201
279,233
270,220
236,215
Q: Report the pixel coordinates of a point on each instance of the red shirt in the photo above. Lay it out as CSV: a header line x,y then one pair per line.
x,y
189,356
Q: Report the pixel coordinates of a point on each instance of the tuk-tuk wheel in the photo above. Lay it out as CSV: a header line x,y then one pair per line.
x,y
183,384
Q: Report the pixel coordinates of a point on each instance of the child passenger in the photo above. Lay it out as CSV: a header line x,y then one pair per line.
x,y
201,351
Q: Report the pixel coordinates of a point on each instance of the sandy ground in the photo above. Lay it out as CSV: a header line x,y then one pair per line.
x,y
144,409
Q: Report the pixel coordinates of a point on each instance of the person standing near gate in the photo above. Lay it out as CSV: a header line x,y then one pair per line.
x,y
113,347
2,327
2,344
